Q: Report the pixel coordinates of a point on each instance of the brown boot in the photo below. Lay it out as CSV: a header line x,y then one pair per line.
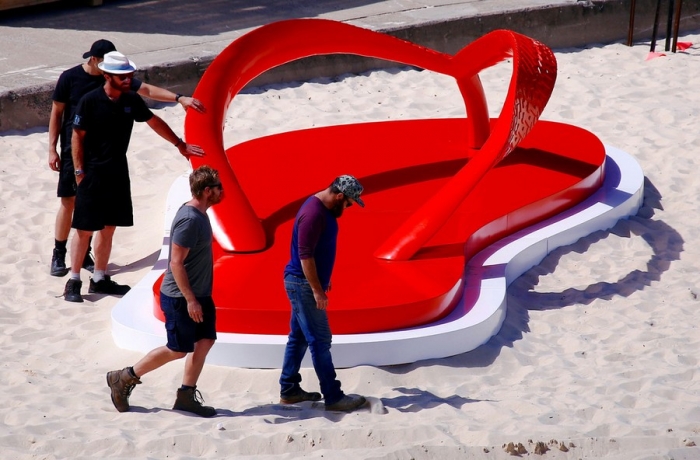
x,y
347,404
300,396
121,383
190,400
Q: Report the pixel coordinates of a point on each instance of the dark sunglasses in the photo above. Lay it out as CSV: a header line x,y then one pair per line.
x,y
122,77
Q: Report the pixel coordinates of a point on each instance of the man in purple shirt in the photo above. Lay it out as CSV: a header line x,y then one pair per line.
x,y
307,278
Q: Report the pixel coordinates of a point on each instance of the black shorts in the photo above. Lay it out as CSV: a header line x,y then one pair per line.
x,y
66,176
182,331
99,204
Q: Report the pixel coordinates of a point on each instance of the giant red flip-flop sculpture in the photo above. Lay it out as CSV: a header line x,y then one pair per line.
x,y
437,191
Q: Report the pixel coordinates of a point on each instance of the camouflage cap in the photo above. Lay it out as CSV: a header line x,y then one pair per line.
x,y
350,187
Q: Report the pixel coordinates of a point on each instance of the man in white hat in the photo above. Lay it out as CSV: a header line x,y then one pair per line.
x,y
101,133
72,85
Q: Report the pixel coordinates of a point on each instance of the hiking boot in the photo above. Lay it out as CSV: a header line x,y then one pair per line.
x,y
300,396
121,383
190,400
58,262
72,291
107,286
89,262
347,404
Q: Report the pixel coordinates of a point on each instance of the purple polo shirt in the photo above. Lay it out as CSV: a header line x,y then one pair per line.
x,y
314,235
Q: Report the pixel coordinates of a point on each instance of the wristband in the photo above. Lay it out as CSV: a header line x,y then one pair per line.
x,y
177,97
179,141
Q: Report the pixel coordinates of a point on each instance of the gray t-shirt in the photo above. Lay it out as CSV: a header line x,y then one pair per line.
x,y
191,229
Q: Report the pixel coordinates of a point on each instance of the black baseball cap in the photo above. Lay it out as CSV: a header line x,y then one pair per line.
x,y
100,48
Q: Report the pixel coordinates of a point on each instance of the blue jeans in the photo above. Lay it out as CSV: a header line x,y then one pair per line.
x,y
309,328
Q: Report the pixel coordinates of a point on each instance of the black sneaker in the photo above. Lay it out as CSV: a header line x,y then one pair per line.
x,y
89,262
190,400
58,263
107,286
72,291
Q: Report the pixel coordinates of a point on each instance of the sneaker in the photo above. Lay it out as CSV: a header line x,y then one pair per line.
x,y
107,286
300,396
190,400
72,291
58,263
89,262
121,383
347,404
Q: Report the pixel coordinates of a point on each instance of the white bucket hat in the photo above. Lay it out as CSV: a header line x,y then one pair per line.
x,y
116,63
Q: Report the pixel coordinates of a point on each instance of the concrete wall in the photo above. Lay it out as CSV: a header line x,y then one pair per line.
x,y
583,23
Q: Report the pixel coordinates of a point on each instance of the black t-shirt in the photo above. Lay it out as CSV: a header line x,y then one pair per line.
x,y
107,125
72,85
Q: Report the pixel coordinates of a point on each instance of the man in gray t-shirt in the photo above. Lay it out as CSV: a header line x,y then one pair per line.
x,y
191,229
185,298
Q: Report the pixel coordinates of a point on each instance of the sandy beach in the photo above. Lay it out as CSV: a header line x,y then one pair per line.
x,y
598,355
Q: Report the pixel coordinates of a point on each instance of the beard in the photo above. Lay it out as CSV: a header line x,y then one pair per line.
x,y
123,86
215,199
337,210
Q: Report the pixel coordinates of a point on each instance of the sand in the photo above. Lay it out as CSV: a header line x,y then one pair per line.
x,y
598,352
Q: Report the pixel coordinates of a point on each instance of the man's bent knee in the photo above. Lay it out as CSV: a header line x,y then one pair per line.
x,y
204,343
108,232
68,203
176,354
82,234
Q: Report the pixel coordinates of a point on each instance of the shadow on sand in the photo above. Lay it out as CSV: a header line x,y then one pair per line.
x,y
665,242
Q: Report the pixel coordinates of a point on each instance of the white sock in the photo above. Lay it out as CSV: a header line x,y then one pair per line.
x,y
75,276
98,275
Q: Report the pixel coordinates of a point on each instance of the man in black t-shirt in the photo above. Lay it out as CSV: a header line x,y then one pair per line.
x,y
72,85
102,129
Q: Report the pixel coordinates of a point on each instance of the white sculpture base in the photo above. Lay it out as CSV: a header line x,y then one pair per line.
x,y
490,272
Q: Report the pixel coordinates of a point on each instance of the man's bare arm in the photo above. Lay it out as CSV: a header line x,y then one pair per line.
x,y
177,266
164,95
57,109
77,151
163,130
